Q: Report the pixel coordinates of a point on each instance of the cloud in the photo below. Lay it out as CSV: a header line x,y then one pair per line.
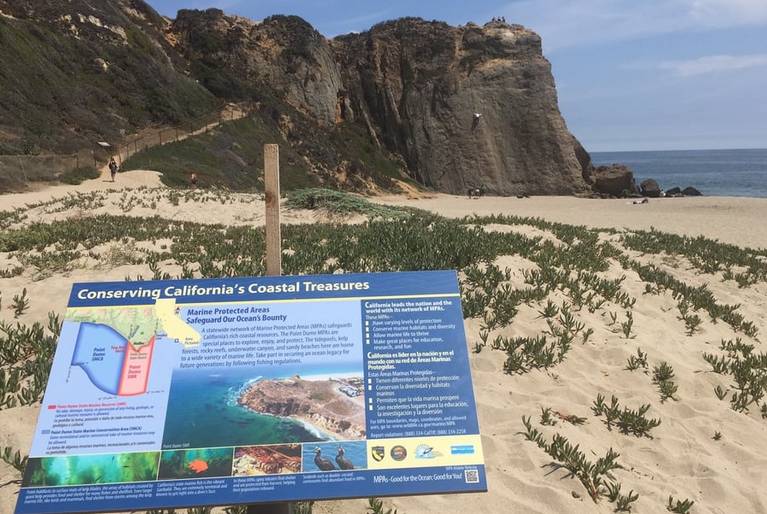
x,y
568,23
714,64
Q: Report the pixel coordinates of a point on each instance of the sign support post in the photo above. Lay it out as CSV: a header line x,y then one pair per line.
x,y
273,263
272,189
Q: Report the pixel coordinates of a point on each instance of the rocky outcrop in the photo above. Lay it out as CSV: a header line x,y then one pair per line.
x,y
465,106
674,191
281,54
615,180
650,188
691,191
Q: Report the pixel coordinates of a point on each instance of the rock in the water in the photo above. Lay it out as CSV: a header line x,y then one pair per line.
x,y
691,191
614,180
650,188
674,191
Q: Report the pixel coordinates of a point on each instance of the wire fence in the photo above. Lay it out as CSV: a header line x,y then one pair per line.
x,y
16,171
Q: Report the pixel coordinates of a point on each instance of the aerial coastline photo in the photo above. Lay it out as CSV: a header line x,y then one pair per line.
x,y
248,407
593,173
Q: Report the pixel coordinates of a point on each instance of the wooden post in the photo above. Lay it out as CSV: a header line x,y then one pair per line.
x,y
272,187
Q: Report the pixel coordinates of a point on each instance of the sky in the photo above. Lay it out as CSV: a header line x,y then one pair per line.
x,y
631,74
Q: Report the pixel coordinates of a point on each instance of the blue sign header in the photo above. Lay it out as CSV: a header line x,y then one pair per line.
x,y
248,289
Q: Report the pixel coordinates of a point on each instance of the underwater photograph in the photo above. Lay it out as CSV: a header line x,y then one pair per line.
x,y
91,469
198,463
267,460
335,456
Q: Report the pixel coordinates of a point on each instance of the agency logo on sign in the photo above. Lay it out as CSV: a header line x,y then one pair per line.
x,y
424,451
378,453
398,453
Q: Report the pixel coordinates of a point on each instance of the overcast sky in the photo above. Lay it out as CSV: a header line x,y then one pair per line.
x,y
631,74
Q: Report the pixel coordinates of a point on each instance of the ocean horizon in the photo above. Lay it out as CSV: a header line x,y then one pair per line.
x,y
713,172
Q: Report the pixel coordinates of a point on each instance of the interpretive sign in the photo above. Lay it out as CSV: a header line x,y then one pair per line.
x,y
246,390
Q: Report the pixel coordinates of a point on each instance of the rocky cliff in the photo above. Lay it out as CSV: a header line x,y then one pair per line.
x,y
451,108
466,107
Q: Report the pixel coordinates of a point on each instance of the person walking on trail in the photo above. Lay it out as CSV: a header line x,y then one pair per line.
x,y
113,168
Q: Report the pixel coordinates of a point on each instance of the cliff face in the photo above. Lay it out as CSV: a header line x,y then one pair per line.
x,y
464,107
422,84
281,54
452,108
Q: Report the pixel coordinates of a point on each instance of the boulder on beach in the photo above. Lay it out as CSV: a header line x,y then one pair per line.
x,y
614,180
691,191
650,188
674,191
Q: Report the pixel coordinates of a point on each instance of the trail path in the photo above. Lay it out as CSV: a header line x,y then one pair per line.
x,y
125,180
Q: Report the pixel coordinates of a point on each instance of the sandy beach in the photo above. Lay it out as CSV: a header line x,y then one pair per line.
x,y
738,221
682,458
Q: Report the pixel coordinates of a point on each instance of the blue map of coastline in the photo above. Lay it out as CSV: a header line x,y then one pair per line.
x,y
100,352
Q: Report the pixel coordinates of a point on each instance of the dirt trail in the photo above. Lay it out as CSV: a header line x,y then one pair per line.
x,y
125,180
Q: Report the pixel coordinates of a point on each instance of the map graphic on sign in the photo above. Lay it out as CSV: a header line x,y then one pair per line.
x,y
114,347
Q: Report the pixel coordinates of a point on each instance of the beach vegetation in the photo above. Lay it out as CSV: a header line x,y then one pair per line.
x,y
14,458
747,368
628,325
20,303
720,392
679,506
628,421
638,361
623,503
596,477
376,506
546,417
663,375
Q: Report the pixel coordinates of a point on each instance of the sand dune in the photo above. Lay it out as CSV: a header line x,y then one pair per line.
x,y
682,459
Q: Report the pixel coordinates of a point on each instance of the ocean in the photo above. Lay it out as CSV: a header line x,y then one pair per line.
x,y
713,172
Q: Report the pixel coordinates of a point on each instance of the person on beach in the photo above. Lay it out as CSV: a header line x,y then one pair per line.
x,y
193,180
113,168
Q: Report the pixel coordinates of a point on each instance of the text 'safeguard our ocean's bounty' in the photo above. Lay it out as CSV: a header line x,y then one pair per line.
x,y
246,390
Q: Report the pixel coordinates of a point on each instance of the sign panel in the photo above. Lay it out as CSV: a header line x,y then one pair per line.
x,y
247,390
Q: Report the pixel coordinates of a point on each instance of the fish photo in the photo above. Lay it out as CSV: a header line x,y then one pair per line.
x,y
200,463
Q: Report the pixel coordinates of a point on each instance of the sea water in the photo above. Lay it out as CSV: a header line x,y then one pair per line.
x,y
713,172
